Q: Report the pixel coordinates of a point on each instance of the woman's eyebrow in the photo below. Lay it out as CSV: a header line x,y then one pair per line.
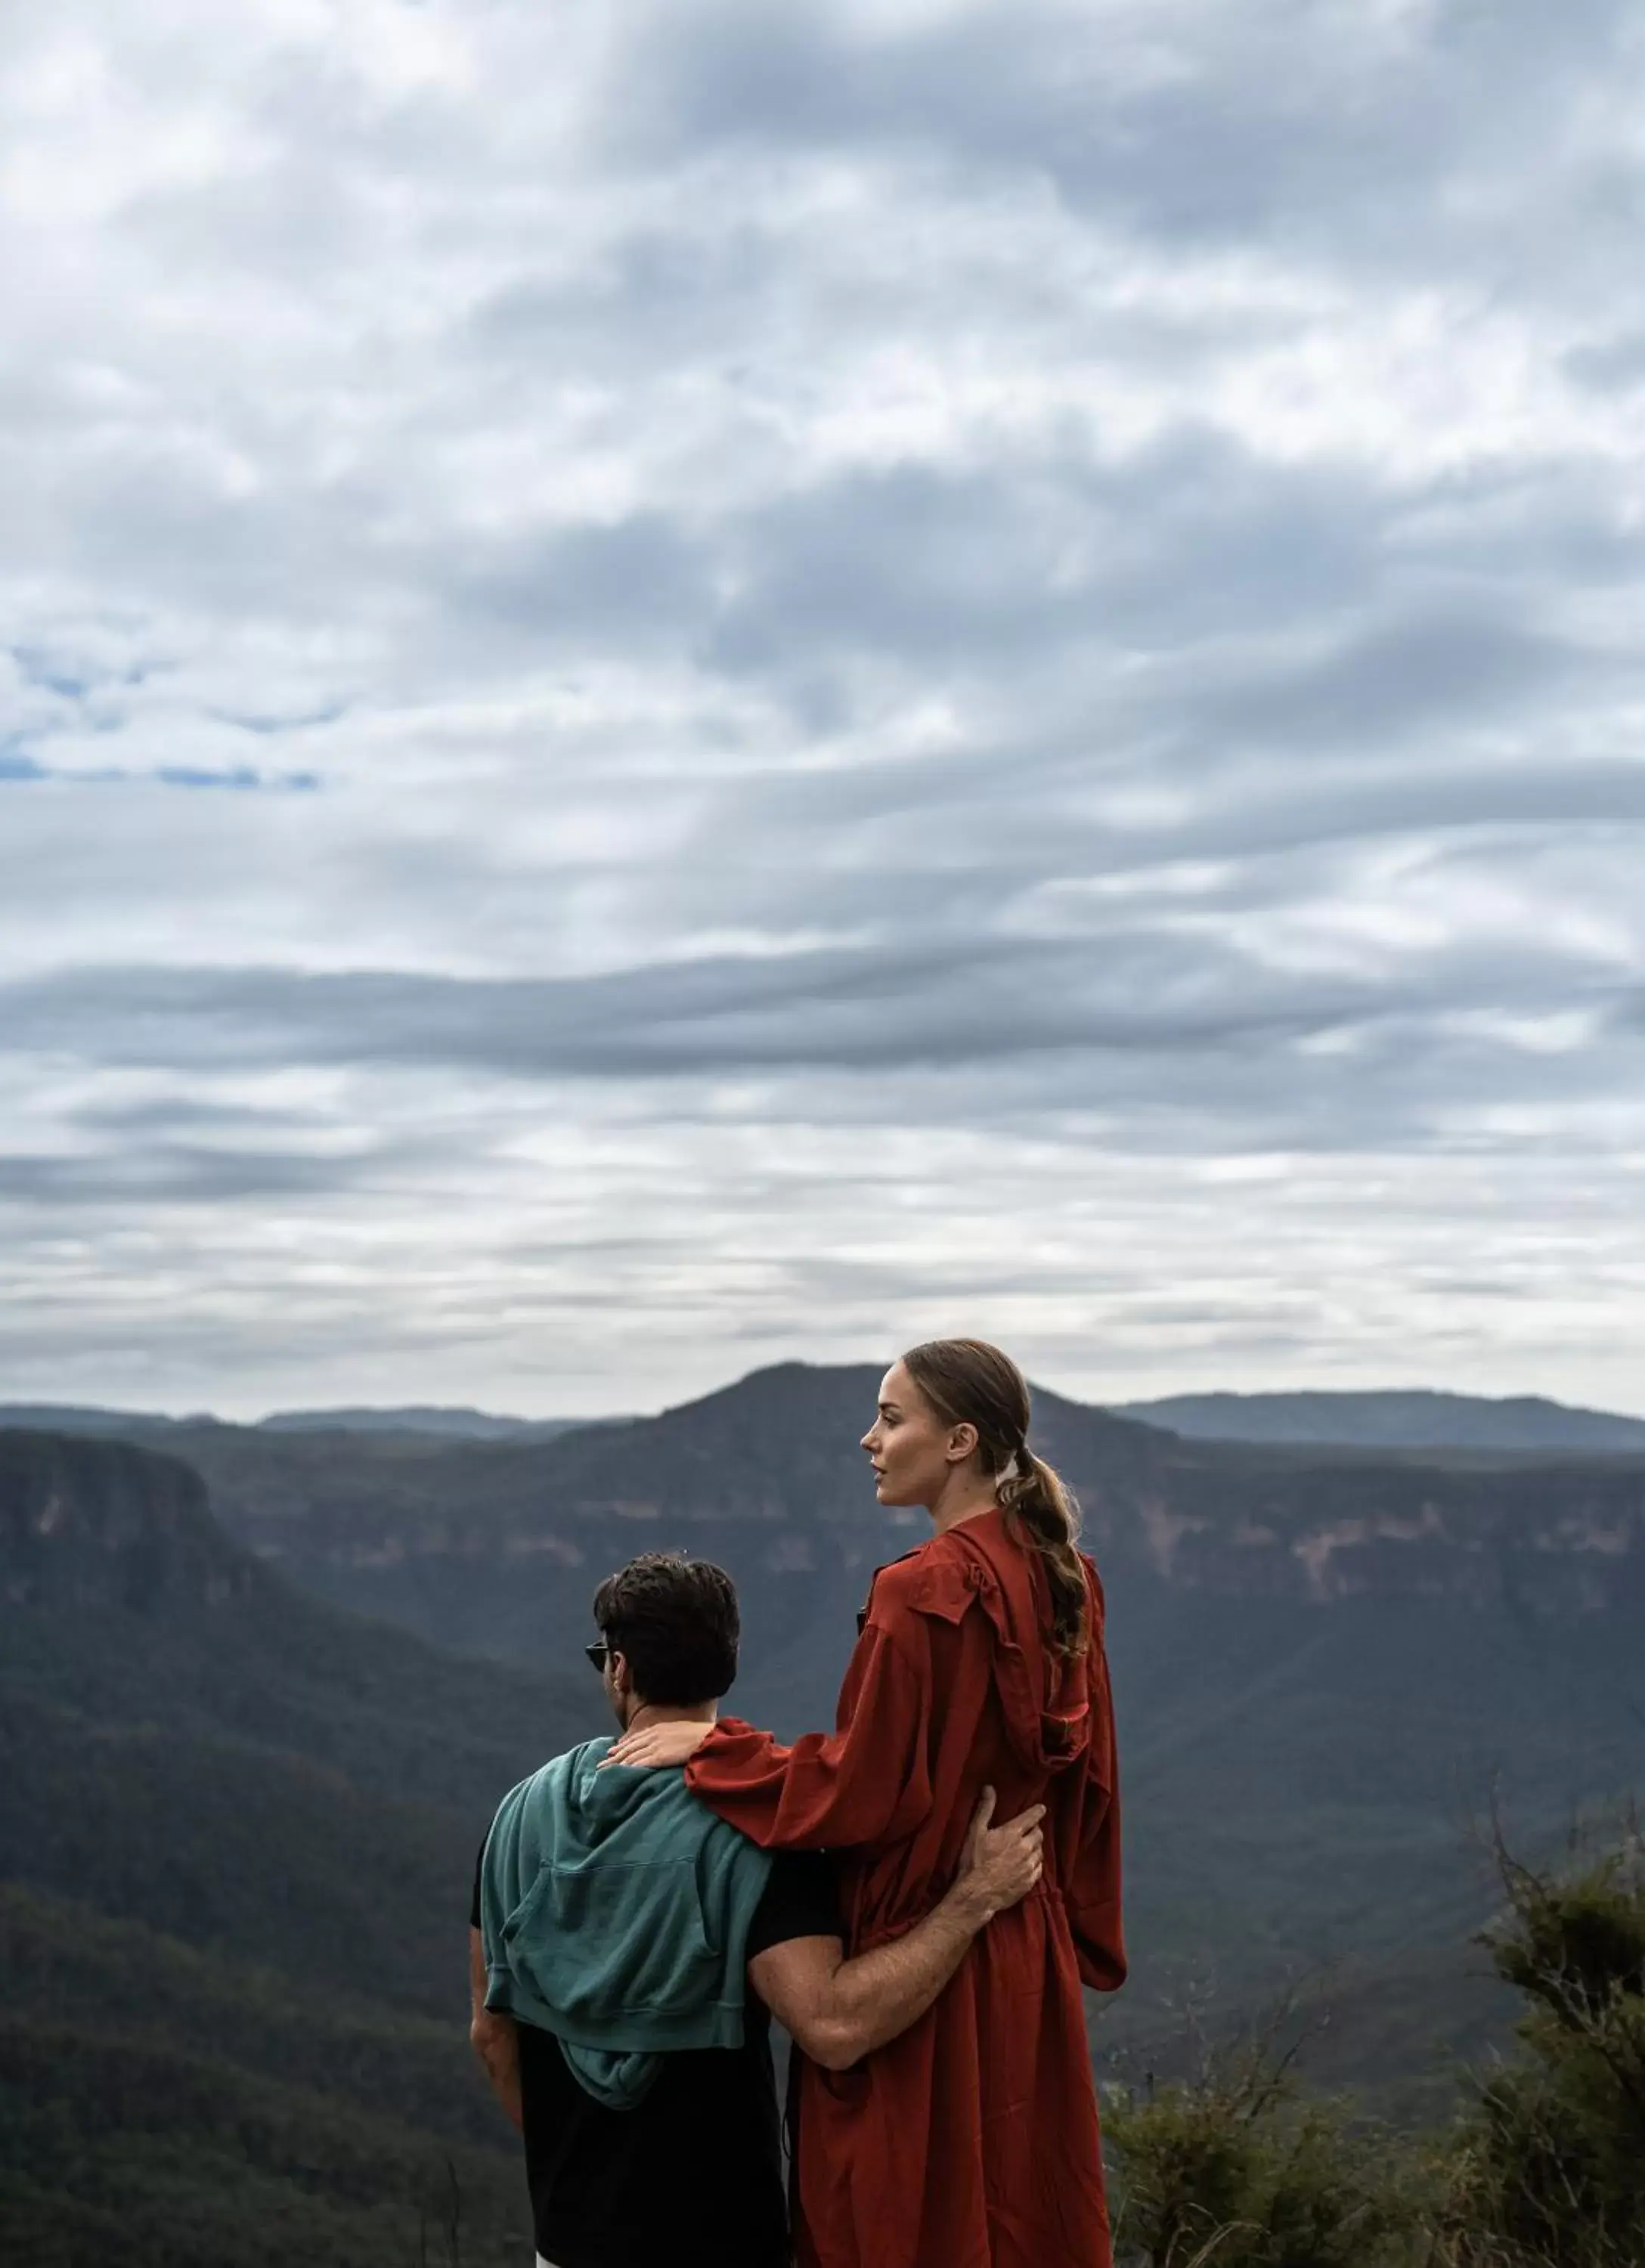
x,y
888,1409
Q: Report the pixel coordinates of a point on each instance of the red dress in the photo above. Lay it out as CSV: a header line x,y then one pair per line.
x,y
971,2140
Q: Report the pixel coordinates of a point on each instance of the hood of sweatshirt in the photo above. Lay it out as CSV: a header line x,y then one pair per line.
x,y
615,1912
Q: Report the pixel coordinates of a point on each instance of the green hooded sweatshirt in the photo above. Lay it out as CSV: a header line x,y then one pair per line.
x,y
615,1912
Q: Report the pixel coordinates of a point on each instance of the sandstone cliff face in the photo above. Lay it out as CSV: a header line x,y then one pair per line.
x,y
1557,1539
124,1606
94,1523
768,1471
495,1548
767,1475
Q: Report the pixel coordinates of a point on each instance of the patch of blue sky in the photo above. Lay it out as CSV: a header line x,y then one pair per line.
x,y
39,669
242,779
238,779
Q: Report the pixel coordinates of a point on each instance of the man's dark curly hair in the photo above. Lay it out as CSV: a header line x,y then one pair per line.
x,y
675,1619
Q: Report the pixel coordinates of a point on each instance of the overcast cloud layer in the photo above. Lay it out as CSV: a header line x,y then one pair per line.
x,y
685,682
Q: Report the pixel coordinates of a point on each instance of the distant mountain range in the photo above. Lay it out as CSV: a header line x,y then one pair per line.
x,y
495,1545
1517,1426
449,1424
443,1423
1522,1426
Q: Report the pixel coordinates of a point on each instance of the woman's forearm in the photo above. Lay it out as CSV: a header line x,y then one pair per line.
x,y
865,1784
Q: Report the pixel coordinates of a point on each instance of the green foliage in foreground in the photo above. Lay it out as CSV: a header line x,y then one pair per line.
x,y
1237,2170
1545,2168
1551,2167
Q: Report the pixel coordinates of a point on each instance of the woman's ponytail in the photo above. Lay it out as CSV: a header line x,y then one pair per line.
x,y
970,1382
1044,1510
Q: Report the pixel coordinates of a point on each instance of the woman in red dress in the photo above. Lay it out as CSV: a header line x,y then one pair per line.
x,y
971,2140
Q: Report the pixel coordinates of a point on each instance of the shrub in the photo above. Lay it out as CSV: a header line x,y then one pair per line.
x,y
1548,2171
1237,2170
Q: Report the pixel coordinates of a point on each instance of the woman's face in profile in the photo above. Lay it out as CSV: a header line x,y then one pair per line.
x,y
908,1443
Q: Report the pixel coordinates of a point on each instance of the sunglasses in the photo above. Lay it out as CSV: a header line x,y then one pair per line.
x,y
597,1654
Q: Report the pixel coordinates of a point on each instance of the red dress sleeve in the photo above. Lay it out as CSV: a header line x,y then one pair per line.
x,y
1093,1897
868,1782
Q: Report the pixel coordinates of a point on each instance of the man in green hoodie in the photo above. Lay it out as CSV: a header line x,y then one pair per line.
x,y
627,1950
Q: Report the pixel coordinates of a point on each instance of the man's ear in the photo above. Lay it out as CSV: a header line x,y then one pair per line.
x,y
962,1444
622,1675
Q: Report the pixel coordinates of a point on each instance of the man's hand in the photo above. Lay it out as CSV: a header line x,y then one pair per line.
x,y
1000,1865
840,2011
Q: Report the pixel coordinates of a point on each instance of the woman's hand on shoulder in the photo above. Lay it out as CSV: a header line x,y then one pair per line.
x,y
657,1746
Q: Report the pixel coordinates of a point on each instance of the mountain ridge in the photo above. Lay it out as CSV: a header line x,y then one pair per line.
x,y
439,1421
1395,1419
1401,1418
494,1546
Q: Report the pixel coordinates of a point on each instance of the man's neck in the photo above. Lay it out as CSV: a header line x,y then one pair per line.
x,y
671,1713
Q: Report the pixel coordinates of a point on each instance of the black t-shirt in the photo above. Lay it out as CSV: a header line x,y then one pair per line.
x,y
695,2172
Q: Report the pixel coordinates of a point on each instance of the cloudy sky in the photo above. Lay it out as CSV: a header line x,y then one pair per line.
x,y
683,682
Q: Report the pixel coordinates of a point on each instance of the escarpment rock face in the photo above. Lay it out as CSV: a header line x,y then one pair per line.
x,y
1562,1537
496,1547
167,1701
1555,1539
484,1543
102,1523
